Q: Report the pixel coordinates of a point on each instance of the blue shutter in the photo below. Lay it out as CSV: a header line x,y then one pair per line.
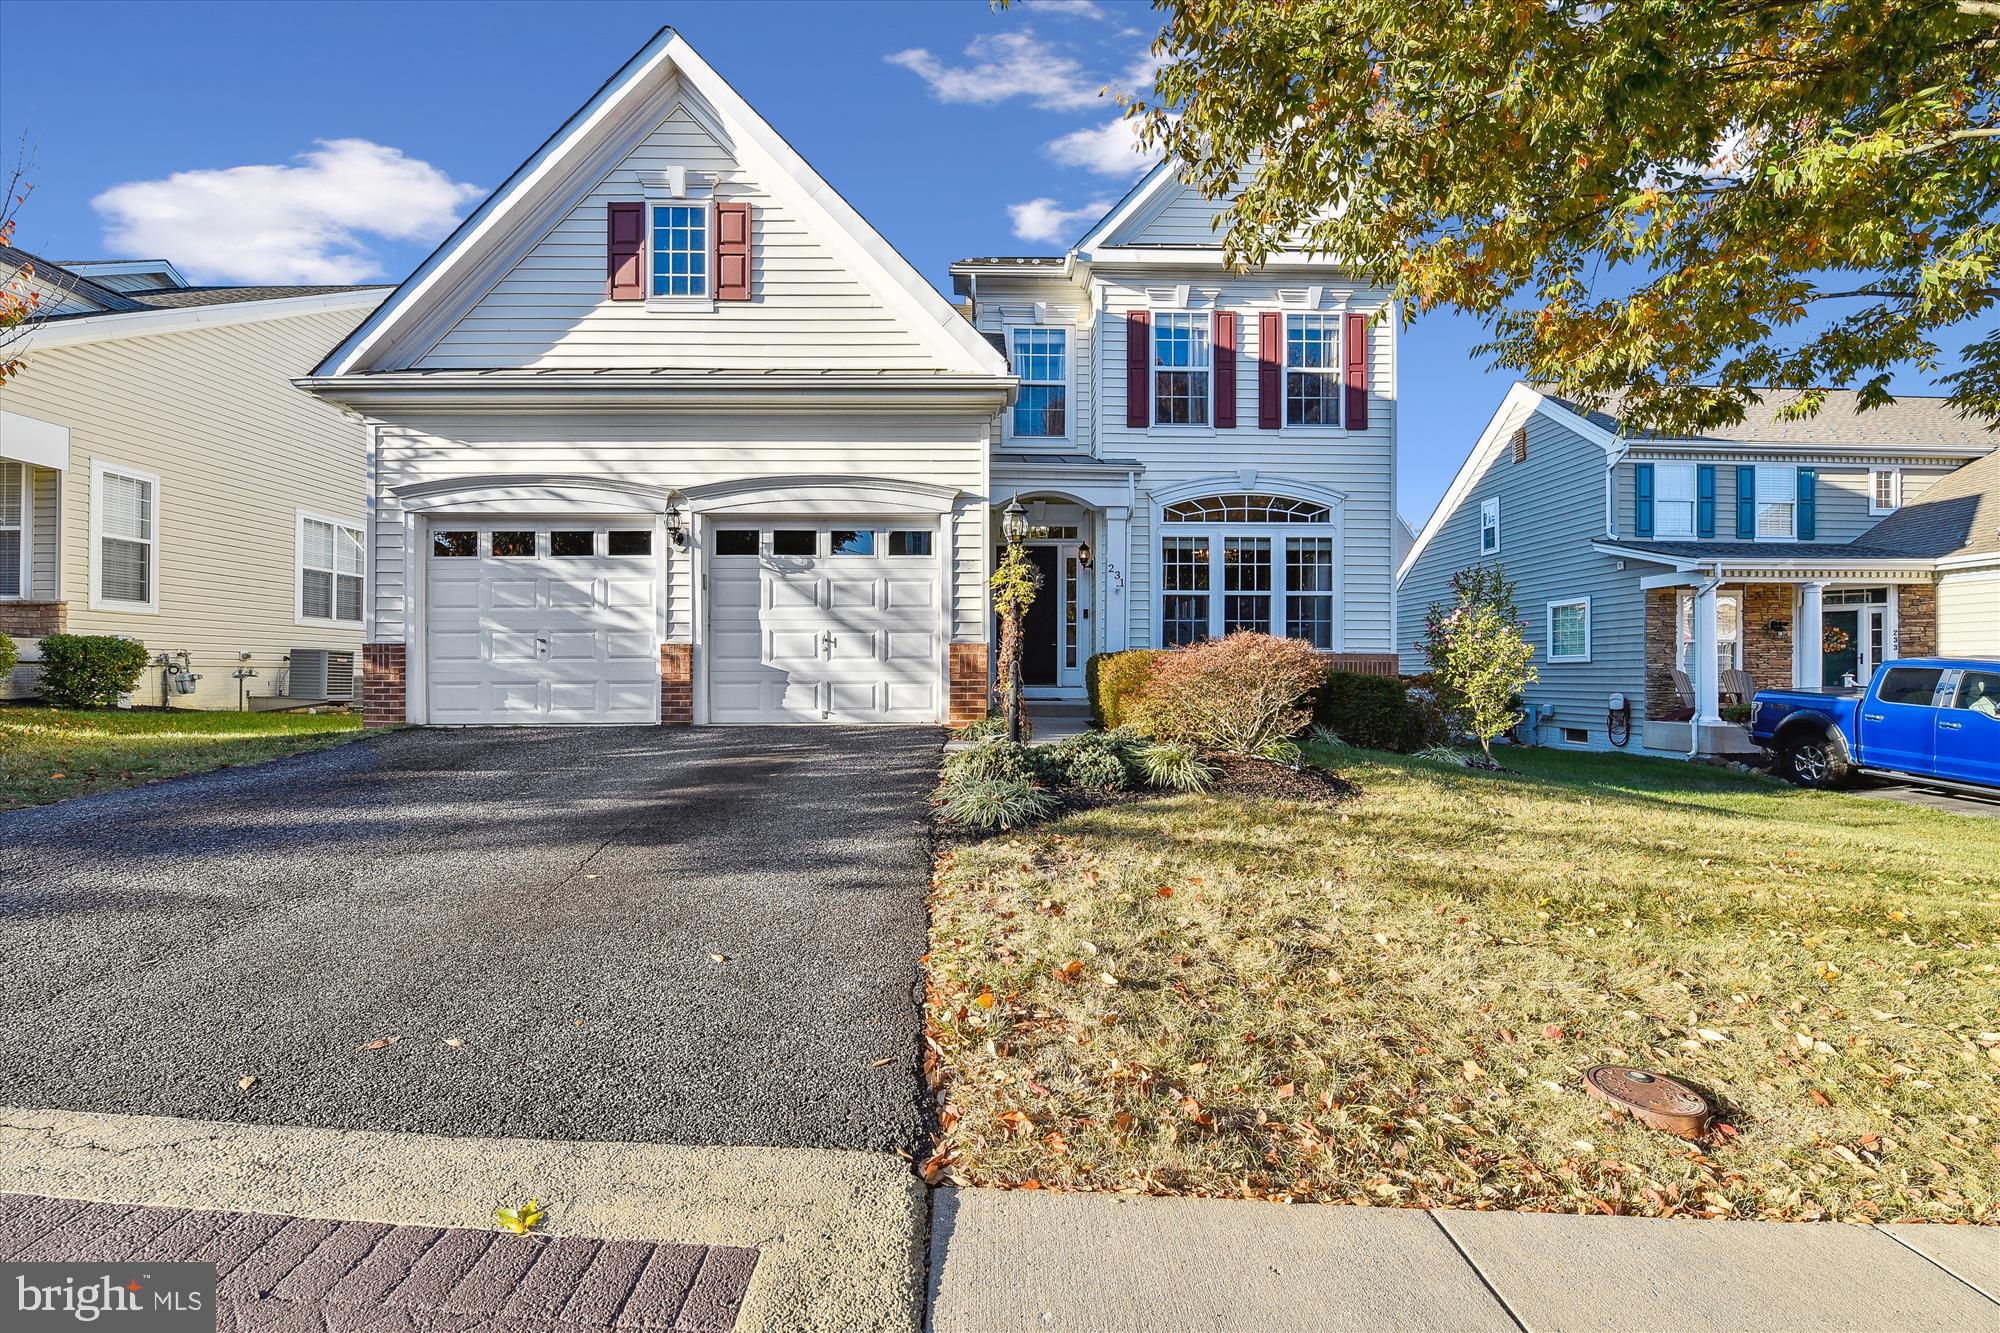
x,y
1808,513
1642,495
1746,504
1704,500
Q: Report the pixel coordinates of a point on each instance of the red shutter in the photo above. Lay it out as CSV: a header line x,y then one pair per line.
x,y
1138,368
1225,370
625,251
1270,370
1356,343
732,252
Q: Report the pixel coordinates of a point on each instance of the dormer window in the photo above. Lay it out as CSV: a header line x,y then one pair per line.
x,y
680,250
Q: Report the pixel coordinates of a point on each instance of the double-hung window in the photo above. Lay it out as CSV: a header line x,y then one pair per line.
x,y
1489,526
13,528
1777,499
1674,499
331,577
1885,490
1312,370
680,251
1569,630
1728,632
1256,562
1041,362
124,511
1181,361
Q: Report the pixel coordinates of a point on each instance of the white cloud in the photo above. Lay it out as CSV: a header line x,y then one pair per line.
x,y
304,223
1004,65
1111,149
1076,9
1046,221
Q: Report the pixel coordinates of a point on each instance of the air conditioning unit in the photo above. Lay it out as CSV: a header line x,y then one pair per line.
x,y
321,674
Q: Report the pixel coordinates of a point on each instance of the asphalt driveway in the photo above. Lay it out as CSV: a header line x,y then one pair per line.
x,y
632,934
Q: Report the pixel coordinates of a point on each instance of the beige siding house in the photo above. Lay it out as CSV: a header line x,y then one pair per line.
x,y
162,480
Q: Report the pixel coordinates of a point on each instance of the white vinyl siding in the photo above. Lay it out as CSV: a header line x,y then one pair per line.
x,y
1777,499
124,529
1674,500
332,581
552,310
14,508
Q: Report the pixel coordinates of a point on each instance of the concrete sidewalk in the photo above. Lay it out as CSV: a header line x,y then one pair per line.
x,y
1008,1260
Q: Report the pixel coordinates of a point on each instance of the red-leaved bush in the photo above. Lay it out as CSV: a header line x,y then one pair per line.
x,y
1236,695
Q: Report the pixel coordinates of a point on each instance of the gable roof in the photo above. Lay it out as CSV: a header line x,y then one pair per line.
x,y
1912,419
483,247
1959,515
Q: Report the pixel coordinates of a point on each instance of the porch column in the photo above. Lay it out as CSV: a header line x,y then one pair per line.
x,y
1117,559
1707,685
1808,639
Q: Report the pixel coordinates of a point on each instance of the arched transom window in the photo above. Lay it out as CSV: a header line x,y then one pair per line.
x,y
1246,509
1249,561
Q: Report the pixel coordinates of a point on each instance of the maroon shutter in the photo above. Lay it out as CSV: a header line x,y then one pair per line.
x,y
1225,370
1356,343
625,251
1138,368
732,252
1270,370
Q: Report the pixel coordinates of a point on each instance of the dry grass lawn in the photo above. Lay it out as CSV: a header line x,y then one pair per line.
x,y
1391,1000
49,754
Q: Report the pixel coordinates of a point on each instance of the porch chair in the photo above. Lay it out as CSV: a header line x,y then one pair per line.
x,y
1737,684
1684,688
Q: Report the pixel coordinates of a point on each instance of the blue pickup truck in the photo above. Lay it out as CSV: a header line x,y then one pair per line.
x,y
1932,719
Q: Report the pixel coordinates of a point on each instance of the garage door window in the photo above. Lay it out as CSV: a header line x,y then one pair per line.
x,y
849,541
455,545
572,543
736,541
794,541
915,541
514,545
631,542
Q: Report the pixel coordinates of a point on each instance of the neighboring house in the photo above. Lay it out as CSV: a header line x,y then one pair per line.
x,y
161,479
1200,451
666,431
1664,578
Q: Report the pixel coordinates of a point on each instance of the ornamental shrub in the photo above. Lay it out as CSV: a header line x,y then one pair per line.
x,y
89,670
1115,681
10,656
1378,712
1175,767
994,803
1236,695
994,760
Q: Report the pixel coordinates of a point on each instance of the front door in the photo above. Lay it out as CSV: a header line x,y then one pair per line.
x,y
1841,643
1041,659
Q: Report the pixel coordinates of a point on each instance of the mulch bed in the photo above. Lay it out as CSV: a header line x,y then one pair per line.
x,y
1279,782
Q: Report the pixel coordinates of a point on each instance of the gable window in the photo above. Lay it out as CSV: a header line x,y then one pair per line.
x,y
124,525
330,570
1041,361
1777,498
1181,360
1885,490
1312,370
1248,562
13,528
1674,499
1489,526
1569,630
680,250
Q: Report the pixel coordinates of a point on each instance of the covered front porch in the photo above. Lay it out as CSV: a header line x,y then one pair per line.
x,y
1719,631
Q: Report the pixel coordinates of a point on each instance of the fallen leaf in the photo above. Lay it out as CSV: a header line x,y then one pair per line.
x,y
1553,1032
454,1042
879,1063
720,957
1282,1091
1819,1098
520,1220
1710,1034
378,1044
245,1082
985,1000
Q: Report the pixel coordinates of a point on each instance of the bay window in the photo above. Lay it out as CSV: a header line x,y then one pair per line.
x,y
1181,362
1262,563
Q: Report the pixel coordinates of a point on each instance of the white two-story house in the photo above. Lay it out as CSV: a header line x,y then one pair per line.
x,y
1200,451
666,431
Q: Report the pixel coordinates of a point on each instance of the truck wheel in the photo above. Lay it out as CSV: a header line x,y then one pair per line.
x,y
1817,759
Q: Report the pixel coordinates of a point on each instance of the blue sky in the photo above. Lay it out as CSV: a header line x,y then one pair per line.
x,y
336,142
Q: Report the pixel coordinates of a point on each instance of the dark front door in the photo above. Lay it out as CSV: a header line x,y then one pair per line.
x,y
1837,663
1038,628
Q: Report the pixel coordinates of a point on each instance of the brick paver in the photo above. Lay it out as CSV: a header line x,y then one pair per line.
x,y
310,1275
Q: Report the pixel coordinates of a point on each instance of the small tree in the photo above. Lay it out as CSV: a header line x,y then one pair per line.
x,y
1015,583
1480,659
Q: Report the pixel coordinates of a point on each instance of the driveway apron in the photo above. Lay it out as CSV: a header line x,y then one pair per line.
x,y
631,934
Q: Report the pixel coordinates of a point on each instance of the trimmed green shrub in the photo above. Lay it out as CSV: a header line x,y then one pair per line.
x,y
994,803
1101,760
1098,770
1235,694
1115,681
1377,713
993,760
10,656
89,670
1174,766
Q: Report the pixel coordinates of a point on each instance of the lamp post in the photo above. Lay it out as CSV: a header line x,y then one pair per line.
x,y
1014,526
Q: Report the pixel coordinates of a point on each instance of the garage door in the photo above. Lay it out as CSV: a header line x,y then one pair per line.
x,y
542,624
823,624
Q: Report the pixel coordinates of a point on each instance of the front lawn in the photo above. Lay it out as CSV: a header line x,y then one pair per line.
x,y
49,754
1391,1000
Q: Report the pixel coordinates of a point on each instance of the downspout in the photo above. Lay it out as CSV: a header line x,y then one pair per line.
x,y
1694,723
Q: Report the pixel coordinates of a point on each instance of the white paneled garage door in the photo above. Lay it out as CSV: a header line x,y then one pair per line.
x,y
542,623
826,623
